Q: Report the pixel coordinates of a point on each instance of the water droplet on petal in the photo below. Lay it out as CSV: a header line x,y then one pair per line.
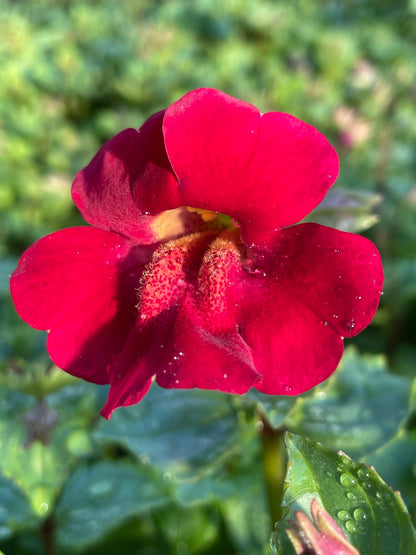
x,y
324,322
248,265
225,376
287,388
357,298
350,325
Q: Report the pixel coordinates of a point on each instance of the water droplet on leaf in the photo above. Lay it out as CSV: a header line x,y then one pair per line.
x,y
347,480
350,526
344,515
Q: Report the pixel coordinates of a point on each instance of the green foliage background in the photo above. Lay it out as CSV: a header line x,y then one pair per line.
x,y
75,73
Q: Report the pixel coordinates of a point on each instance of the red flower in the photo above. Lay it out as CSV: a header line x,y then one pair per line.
x,y
164,284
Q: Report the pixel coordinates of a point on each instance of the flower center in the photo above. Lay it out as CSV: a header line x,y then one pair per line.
x,y
172,224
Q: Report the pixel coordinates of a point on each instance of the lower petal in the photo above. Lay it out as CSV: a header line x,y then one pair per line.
x,y
195,357
79,283
291,346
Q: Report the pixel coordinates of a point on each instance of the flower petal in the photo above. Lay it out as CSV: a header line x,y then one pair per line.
x,y
291,348
197,358
79,283
265,171
338,275
133,372
105,191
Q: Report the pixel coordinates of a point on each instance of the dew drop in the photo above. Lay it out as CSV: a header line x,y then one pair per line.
x,y
176,381
346,480
351,496
259,425
77,252
350,325
344,515
175,358
324,322
335,316
350,526
357,298
336,250
106,261
287,388
181,353
359,514
225,376
248,265
363,474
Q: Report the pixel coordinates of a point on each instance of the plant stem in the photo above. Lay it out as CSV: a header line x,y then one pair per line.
x,y
274,465
47,535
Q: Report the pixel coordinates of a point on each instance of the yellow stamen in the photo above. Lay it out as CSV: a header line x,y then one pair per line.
x,y
206,215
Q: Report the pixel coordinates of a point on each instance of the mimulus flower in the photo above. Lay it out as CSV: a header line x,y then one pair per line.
x,y
191,271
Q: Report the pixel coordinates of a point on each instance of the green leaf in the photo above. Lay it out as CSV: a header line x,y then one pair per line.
x,y
175,429
40,440
396,463
273,407
15,511
373,517
357,410
98,498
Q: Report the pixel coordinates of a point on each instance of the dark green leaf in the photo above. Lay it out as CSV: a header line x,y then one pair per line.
x,y
98,498
358,409
373,517
175,428
15,511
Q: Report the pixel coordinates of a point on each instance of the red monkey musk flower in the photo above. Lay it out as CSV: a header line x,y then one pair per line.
x,y
191,270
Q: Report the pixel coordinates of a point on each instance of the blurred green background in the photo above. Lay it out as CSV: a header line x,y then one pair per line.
x,y
73,74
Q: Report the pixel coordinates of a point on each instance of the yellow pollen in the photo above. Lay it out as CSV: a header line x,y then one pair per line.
x,y
206,215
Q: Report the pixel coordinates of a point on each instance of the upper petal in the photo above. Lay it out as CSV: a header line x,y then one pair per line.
x,y
265,171
125,181
79,283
